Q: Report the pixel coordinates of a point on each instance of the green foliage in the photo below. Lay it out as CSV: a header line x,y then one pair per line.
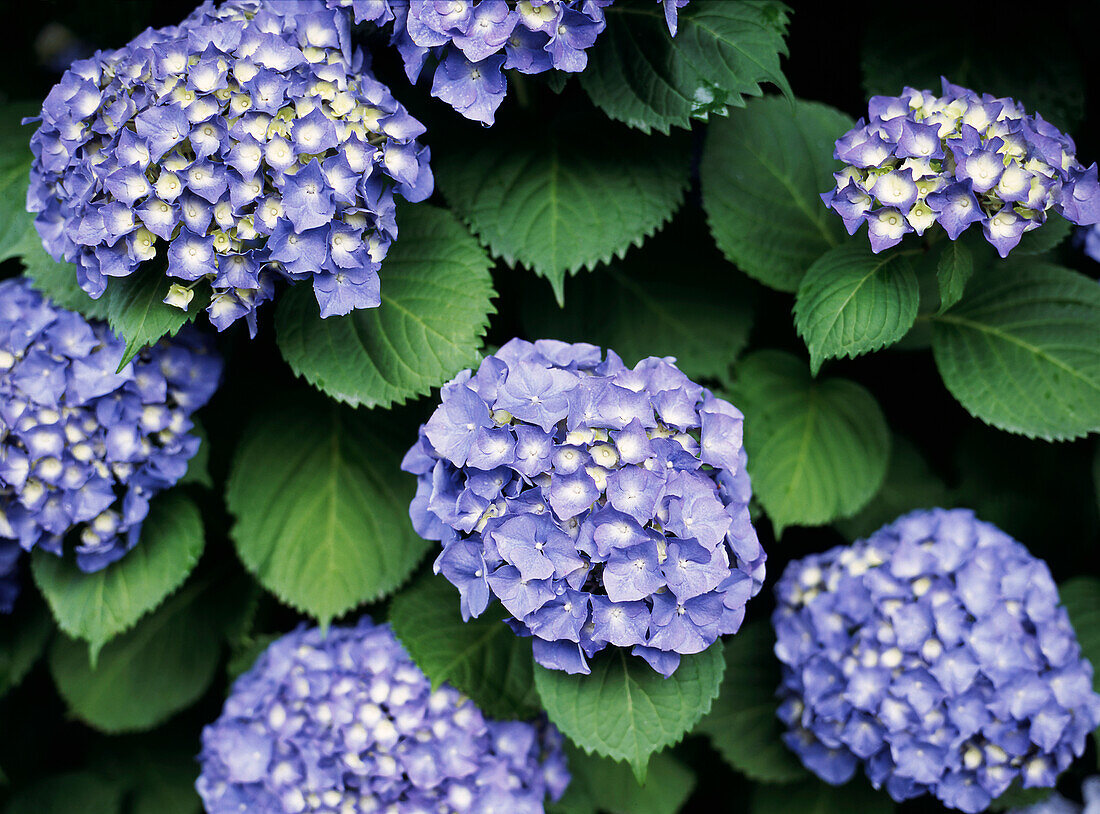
x,y
58,280
852,301
1020,350
818,449
703,318
1081,597
816,797
954,269
742,724
23,637
321,507
909,484
436,302
85,792
562,200
627,711
152,671
482,658
136,309
15,221
99,606
762,174
722,52
1047,237
602,785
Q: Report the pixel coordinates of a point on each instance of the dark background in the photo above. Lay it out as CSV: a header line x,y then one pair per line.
x,y
1044,54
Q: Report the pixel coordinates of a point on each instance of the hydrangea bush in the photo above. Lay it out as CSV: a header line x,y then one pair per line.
x,y
276,361
958,159
345,721
85,445
248,144
935,654
602,505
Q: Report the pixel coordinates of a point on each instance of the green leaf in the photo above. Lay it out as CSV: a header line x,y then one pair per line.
x,y
703,319
625,710
58,280
15,220
953,271
600,784
815,797
23,637
762,174
1017,798
1021,351
149,673
742,724
137,313
165,784
817,449
321,509
1081,597
482,658
436,302
909,484
1048,236
97,607
852,301
85,792
566,198
721,53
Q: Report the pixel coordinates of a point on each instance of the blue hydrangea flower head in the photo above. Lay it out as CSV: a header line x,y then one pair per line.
x,y
248,144
471,42
346,722
935,654
1057,804
84,449
602,505
958,159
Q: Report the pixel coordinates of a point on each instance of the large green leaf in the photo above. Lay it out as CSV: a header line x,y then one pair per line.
x,y
815,797
852,301
15,221
57,280
625,710
566,198
817,449
23,637
436,302
483,658
762,174
321,507
147,674
703,319
721,53
1081,597
602,785
136,310
954,268
1021,351
97,607
742,724
67,793
910,484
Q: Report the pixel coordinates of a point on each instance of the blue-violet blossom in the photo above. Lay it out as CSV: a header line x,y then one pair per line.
x,y
934,653
956,160
83,448
602,505
346,722
474,41
248,143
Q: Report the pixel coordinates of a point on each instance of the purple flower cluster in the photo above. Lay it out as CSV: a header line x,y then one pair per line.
x,y
81,446
936,654
346,722
474,41
958,159
601,505
246,144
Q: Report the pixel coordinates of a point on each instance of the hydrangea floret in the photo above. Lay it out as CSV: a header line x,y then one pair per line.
x,y
958,159
602,505
1057,804
344,721
1089,239
84,448
472,42
936,655
247,144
